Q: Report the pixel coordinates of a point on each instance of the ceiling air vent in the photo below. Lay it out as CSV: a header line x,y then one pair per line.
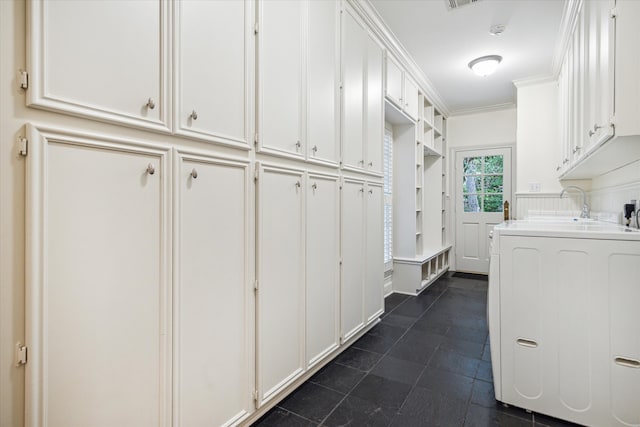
x,y
454,4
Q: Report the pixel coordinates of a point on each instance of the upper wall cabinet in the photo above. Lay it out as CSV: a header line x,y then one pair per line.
x,y
362,111
298,69
599,91
400,89
103,59
212,47
280,73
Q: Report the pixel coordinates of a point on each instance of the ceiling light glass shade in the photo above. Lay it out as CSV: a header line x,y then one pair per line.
x,y
485,65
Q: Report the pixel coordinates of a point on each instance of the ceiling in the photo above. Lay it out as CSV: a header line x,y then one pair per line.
x,y
442,43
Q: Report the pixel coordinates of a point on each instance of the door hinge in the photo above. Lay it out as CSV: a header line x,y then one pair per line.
x,y
255,28
340,261
24,79
255,286
255,397
256,174
21,354
23,146
613,13
341,85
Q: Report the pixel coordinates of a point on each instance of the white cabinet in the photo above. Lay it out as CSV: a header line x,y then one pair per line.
x,y
353,260
323,71
400,89
374,256
212,69
568,344
101,59
362,111
298,71
280,73
322,267
280,275
212,296
98,282
599,91
362,255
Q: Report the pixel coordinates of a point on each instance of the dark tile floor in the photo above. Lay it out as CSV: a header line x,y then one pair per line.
x,y
426,364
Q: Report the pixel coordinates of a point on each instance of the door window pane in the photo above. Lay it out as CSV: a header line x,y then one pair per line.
x,y
493,164
493,184
492,203
472,165
472,184
471,203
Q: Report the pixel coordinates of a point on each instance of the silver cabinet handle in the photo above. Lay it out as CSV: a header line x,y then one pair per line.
x,y
315,149
370,191
565,161
298,184
194,115
362,190
576,149
194,173
151,104
150,169
361,162
558,168
370,163
314,185
595,129
626,362
527,343
298,145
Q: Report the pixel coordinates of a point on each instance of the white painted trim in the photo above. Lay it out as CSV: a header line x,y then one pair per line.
x,y
567,27
535,80
480,110
525,194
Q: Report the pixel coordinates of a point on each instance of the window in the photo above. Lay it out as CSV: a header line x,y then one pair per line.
x,y
482,183
388,199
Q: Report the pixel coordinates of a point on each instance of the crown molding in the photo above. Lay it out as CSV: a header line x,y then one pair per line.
x,y
480,110
567,27
380,29
535,80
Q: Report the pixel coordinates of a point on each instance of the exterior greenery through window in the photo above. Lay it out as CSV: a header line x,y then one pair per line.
x,y
483,183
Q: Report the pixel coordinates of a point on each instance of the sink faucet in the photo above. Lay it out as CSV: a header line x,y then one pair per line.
x,y
585,207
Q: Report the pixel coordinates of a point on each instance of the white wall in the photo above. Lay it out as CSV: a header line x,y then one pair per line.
x,y
482,129
612,190
538,144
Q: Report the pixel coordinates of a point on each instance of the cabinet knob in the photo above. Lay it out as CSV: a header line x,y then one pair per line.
x,y
298,145
595,129
151,104
193,115
576,149
150,169
370,163
558,168
362,190
194,173
314,185
361,162
565,161
370,191
314,149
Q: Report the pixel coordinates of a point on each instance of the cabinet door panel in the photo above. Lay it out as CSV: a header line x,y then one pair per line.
x,y
211,296
411,98
281,312
374,272
394,81
280,76
323,73
375,108
102,59
97,284
352,293
211,69
353,55
323,277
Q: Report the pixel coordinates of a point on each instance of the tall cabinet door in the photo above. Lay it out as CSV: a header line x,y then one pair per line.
x,y
280,85
103,59
374,270
212,321
212,43
323,275
98,283
375,107
352,290
281,299
322,83
353,96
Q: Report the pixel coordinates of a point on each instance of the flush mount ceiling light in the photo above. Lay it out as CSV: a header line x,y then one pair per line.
x,y
485,65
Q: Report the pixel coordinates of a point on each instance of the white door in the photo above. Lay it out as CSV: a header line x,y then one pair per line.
x,y
211,72
98,285
281,299
374,271
393,88
280,53
213,350
483,184
353,56
323,273
375,107
353,253
103,59
323,71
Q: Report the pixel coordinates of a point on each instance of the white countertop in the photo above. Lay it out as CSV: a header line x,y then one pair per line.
x,y
577,229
